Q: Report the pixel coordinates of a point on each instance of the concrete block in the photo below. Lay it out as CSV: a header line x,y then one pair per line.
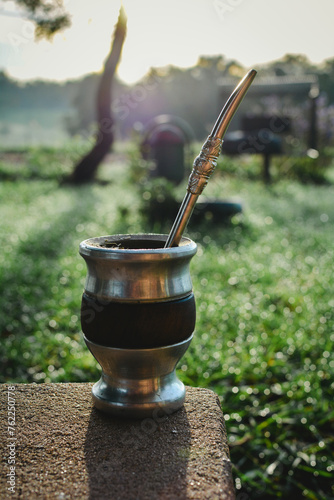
x,y
63,448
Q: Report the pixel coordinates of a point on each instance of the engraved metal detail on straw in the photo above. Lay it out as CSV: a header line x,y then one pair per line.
x,y
204,165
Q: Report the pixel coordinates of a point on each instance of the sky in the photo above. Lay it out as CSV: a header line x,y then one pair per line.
x,y
162,32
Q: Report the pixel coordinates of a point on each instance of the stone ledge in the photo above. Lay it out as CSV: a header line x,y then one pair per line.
x,y
66,449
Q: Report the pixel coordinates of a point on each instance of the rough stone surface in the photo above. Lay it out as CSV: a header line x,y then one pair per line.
x,y
66,449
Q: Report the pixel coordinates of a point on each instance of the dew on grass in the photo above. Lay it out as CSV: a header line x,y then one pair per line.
x,y
238,484
25,319
233,281
203,306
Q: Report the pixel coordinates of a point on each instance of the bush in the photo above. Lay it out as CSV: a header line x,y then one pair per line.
x,y
309,169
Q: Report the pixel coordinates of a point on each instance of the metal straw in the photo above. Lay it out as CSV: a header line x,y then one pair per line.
x,y
206,161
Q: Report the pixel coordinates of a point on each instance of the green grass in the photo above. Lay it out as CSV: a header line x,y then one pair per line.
x,y
264,288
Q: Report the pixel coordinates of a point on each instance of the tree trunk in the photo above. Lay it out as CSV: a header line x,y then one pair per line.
x,y
86,169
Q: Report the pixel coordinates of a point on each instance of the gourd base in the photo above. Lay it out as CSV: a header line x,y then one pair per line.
x,y
138,383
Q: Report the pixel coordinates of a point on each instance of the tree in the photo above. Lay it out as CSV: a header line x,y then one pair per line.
x,y
86,169
50,17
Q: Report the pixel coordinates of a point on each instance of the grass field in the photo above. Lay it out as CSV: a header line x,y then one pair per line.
x,y
264,287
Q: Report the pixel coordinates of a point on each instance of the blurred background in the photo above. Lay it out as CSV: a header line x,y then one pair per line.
x,y
180,58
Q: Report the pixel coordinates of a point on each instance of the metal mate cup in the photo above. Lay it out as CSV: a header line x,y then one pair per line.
x,y
138,315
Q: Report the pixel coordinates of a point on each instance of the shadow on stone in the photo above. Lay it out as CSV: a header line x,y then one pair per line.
x,y
138,459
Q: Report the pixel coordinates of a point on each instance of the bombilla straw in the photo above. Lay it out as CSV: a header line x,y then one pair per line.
x,y
206,161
